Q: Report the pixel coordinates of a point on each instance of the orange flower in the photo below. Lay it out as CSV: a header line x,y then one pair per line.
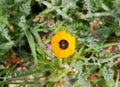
x,y
63,44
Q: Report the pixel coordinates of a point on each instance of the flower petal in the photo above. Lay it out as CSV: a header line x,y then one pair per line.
x,y
59,52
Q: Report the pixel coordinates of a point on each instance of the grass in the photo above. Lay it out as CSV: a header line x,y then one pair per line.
x,y
26,29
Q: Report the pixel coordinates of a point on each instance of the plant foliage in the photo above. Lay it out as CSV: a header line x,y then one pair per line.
x,y
26,29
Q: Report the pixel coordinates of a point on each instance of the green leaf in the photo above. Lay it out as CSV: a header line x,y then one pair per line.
x,y
32,44
29,36
105,32
4,47
26,8
31,73
3,20
117,32
69,4
108,75
57,75
39,42
4,32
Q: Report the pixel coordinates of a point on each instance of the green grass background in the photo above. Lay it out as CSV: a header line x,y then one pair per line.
x,y
27,26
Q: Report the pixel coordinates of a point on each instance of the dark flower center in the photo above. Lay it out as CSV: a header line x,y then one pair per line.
x,y
63,44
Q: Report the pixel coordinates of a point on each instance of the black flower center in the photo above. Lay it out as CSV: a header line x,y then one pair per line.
x,y
63,44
